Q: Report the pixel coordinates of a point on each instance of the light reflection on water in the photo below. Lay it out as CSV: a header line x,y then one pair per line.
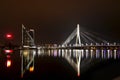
x,y
103,54
85,53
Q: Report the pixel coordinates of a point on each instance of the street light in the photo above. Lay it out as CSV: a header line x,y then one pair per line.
x,y
9,63
31,69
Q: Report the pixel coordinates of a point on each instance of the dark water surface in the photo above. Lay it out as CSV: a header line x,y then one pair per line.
x,y
55,68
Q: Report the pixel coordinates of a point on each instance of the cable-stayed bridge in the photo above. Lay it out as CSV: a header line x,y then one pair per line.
x,y
86,45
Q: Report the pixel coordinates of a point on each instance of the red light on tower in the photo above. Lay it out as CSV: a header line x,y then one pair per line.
x,y
8,51
9,36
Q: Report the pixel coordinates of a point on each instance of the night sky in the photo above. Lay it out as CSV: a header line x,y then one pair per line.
x,y
54,20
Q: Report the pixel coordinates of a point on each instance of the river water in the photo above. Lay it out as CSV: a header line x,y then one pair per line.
x,y
57,68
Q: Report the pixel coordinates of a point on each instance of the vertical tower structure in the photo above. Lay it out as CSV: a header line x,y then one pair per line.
x,y
75,62
27,54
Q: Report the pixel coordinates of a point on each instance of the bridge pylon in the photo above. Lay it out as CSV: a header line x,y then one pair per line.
x,y
78,40
75,62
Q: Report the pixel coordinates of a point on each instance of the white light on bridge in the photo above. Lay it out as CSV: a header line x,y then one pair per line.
x,y
34,52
